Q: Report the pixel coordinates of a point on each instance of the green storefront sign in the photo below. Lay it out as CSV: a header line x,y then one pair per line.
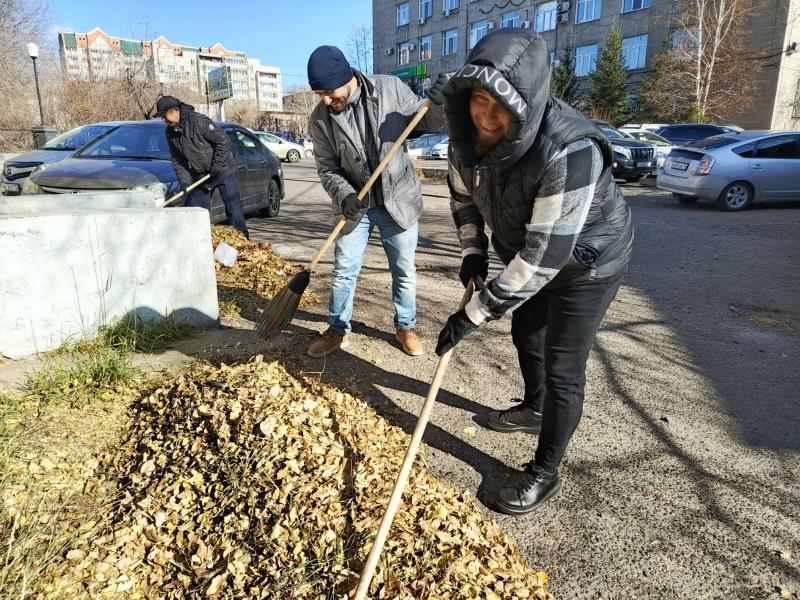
x,y
409,72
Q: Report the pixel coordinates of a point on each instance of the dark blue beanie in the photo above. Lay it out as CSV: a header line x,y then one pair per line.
x,y
328,69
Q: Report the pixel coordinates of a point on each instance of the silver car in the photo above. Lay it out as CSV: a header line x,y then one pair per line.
x,y
735,169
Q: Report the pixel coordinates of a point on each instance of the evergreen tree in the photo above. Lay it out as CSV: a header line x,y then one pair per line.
x,y
562,85
608,93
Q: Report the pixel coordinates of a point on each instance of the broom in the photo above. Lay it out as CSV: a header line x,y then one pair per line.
x,y
280,310
405,469
188,189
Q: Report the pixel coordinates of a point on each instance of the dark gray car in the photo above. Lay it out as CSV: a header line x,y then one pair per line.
x,y
17,170
135,154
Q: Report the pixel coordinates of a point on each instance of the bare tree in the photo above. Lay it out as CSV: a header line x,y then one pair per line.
x,y
21,21
703,73
358,49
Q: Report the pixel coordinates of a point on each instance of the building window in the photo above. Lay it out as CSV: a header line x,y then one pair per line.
x,y
585,60
631,5
545,17
425,48
449,42
449,5
510,19
404,53
633,103
477,31
425,9
634,51
588,10
402,14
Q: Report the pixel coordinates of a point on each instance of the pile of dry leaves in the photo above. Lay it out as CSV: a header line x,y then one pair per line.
x,y
245,482
258,274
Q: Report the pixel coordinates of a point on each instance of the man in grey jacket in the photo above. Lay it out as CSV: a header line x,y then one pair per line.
x,y
353,127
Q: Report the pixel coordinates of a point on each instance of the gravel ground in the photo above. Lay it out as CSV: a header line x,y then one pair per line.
x,y
682,479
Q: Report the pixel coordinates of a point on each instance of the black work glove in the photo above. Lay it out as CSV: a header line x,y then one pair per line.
x,y
351,206
213,181
184,187
458,327
436,91
473,265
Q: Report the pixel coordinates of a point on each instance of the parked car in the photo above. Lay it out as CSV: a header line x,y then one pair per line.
x,y
645,126
686,133
17,170
662,145
308,145
135,154
439,150
735,169
421,146
282,149
632,159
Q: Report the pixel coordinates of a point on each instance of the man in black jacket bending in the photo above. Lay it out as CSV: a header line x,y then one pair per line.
x,y
538,175
198,147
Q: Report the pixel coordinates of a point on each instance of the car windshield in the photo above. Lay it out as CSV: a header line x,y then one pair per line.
x,y
611,133
649,136
715,141
76,138
129,142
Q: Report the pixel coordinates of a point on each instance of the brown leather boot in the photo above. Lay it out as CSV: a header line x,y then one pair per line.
x,y
327,343
410,341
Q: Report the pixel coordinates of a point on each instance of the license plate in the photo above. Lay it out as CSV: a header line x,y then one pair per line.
x,y
643,164
9,188
679,166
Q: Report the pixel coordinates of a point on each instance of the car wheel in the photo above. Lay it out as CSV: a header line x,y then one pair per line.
x,y
273,198
684,199
633,179
309,153
736,196
292,156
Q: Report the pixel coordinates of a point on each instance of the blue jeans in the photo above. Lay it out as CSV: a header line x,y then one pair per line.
x,y
229,191
399,245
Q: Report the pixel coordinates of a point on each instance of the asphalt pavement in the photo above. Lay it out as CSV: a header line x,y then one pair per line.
x,y
682,479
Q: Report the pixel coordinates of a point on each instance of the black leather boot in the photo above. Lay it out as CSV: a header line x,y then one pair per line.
x,y
517,418
527,491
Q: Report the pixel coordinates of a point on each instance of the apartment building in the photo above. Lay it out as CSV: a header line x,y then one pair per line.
x,y
417,39
97,56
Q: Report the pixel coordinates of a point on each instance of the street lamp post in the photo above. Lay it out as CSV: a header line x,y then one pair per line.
x,y
33,52
161,84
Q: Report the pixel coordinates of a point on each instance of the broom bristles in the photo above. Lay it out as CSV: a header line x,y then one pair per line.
x,y
280,310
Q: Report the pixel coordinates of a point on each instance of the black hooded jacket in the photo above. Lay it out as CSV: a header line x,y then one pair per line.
x,y
197,147
512,64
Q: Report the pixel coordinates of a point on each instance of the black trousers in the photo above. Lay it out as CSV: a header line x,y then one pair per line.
x,y
553,333
229,191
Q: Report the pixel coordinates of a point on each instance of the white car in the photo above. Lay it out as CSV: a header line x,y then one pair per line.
x,y
642,126
282,149
439,150
421,146
662,145
308,145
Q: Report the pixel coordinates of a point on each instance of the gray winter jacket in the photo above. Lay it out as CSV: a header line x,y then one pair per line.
x,y
342,161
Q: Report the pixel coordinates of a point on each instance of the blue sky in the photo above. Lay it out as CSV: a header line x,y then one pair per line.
x,y
281,33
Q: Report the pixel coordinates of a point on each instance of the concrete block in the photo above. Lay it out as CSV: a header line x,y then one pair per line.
x,y
66,274
39,204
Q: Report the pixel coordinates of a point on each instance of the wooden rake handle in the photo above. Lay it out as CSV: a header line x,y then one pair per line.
x,y
371,181
405,470
189,189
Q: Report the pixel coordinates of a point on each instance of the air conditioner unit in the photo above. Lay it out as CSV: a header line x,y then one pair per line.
x,y
556,62
412,47
490,25
525,24
562,7
389,51
422,20
446,12
563,18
